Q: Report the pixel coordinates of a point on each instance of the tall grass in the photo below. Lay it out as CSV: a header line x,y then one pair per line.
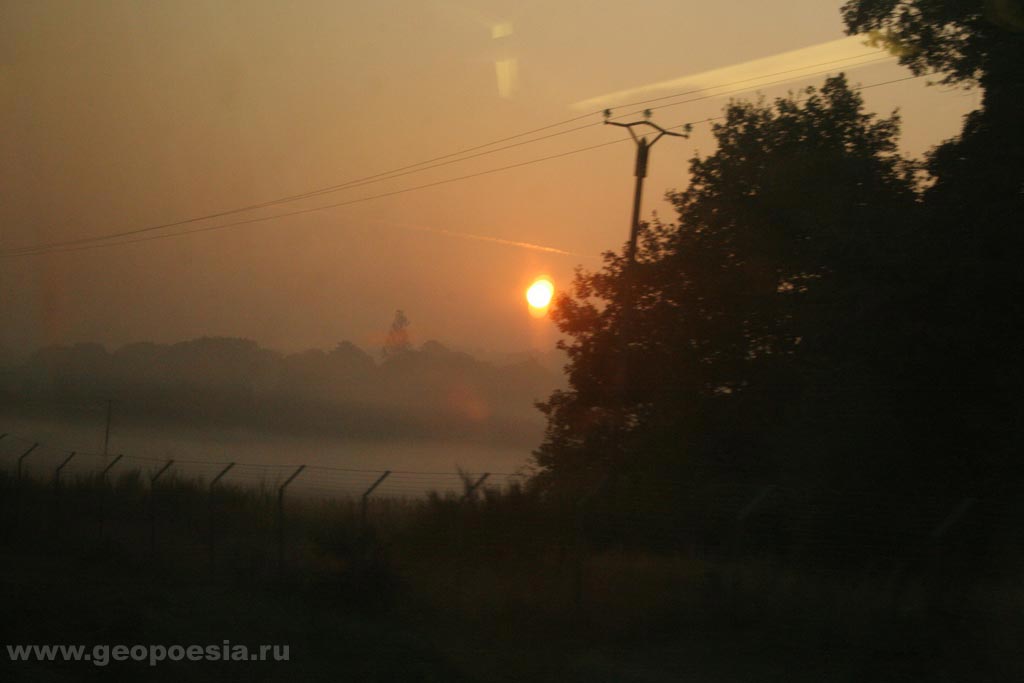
x,y
514,552
534,571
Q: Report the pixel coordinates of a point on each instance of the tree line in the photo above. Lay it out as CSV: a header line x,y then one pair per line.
x,y
822,310
428,391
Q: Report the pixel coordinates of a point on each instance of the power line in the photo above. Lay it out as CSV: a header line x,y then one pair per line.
x,y
261,219
447,159
110,239
420,167
450,158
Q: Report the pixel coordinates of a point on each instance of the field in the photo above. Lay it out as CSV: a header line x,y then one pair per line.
x,y
505,585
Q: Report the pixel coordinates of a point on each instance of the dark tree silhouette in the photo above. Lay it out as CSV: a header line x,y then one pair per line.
x,y
824,308
968,41
972,43
755,316
971,265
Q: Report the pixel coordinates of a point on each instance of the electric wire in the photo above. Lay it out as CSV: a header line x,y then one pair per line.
x,y
418,166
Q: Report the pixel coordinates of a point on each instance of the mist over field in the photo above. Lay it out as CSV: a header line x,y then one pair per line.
x,y
231,399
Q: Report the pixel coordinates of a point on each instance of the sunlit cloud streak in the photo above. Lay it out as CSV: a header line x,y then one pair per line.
x,y
791,62
479,238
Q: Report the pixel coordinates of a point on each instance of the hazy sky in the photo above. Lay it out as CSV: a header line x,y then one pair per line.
x,y
121,115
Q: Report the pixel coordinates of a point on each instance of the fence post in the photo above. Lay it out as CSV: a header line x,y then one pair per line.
x,y
25,455
20,486
732,574
952,518
366,496
280,519
56,472
466,497
152,506
578,559
581,542
471,490
56,489
103,491
3,436
462,521
213,529
743,513
944,581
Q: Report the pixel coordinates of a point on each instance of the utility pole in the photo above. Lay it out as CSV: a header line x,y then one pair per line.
x,y
643,151
620,384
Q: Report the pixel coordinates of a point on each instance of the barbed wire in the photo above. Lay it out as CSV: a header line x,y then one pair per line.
x,y
328,478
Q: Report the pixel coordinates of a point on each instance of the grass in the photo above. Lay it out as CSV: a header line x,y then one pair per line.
x,y
503,587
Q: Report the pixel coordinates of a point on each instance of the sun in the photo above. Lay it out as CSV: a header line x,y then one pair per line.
x,y
539,293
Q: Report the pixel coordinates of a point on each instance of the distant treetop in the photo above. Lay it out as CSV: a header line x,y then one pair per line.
x,y
398,339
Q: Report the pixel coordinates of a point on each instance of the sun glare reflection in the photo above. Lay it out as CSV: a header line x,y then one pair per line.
x,y
506,67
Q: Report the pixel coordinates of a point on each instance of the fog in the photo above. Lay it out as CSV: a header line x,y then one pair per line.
x,y
125,115
265,460
425,413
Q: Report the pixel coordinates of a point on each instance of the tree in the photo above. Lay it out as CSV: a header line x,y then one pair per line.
x,y
968,41
972,43
397,340
972,213
754,315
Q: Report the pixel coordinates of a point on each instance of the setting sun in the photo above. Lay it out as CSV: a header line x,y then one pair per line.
x,y
540,292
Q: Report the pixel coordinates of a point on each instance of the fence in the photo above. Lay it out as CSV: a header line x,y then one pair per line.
x,y
265,519
31,461
42,461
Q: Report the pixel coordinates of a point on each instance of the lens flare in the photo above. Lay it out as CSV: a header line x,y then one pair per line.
x,y
539,293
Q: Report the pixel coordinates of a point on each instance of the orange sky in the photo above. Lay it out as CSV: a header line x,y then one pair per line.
x,y
118,115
